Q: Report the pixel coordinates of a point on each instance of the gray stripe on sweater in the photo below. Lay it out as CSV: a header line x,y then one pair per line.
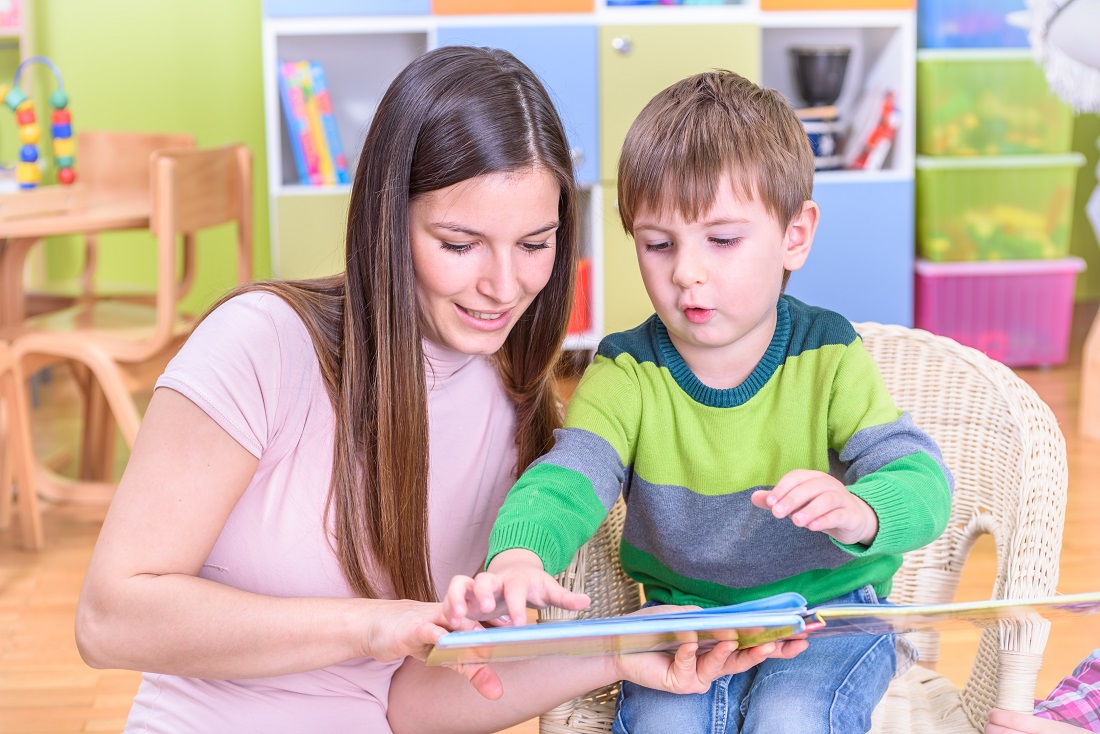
x,y
723,539
586,453
873,448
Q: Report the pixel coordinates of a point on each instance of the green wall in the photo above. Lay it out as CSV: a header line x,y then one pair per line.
x,y
1086,136
169,65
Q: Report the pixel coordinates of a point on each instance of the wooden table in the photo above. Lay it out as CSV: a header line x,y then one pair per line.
x,y
28,216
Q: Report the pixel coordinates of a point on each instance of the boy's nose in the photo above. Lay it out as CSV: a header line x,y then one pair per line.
x,y
688,270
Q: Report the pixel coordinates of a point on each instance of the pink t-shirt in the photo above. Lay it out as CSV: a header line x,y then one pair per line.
x,y
252,368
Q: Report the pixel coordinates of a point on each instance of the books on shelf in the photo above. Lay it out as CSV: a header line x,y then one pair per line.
x,y
311,125
752,623
875,123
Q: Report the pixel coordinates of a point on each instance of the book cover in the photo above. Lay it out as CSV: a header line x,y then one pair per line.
x,y
298,125
328,122
749,624
293,124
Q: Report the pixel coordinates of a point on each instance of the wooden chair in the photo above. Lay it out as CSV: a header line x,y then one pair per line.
x,y
124,346
1003,445
113,165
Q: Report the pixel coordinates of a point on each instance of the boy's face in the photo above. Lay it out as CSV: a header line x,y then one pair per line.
x,y
715,282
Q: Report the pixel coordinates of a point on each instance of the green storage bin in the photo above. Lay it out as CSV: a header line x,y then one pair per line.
x,y
1003,208
981,102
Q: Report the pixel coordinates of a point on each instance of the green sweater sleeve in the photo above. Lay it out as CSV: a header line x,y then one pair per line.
x,y
892,465
561,499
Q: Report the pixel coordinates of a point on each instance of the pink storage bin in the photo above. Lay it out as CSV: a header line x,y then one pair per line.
x,y
1016,311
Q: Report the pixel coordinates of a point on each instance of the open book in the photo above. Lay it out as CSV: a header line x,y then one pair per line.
x,y
752,623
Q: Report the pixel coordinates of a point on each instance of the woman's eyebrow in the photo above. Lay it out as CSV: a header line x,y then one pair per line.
x,y
460,229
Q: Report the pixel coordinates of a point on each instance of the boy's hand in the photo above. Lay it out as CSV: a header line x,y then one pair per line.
x,y
818,501
514,580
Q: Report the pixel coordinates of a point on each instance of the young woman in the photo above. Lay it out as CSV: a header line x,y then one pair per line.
x,y
323,456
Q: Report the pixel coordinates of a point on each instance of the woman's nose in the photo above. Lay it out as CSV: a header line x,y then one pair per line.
x,y
499,279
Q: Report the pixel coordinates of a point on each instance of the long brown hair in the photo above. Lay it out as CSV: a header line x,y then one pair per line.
x,y
452,114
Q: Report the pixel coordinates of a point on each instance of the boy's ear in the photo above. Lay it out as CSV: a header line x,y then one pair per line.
x,y
800,236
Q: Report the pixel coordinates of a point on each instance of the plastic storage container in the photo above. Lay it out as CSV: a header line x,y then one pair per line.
x,y
969,24
1016,312
1005,208
988,102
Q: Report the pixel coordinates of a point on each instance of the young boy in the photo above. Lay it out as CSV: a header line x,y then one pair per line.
x,y
751,434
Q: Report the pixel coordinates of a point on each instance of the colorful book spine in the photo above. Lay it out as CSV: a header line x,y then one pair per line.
x,y
297,94
304,73
328,122
293,125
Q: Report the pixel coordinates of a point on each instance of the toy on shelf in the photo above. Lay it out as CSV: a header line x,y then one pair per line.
x,y
27,171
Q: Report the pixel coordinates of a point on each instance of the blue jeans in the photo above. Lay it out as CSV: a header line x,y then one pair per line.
x,y
831,688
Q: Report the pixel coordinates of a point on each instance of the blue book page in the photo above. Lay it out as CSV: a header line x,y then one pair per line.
x,y
629,634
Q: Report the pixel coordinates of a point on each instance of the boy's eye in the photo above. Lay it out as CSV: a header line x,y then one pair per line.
x,y
658,246
725,241
457,248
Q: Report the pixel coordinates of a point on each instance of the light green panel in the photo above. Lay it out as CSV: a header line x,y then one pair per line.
x,y
1083,241
626,303
636,62
311,235
162,66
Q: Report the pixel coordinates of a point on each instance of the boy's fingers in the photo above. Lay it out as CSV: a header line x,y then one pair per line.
x,y
515,600
832,520
759,498
558,596
486,588
817,507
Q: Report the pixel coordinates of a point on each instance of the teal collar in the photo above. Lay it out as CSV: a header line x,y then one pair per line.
x,y
733,396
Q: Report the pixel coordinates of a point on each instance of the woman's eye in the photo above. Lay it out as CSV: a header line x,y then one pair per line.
x,y
725,241
535,246
658,246
456,248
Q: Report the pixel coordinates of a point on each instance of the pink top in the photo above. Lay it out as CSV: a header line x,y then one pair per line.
x,y
251,367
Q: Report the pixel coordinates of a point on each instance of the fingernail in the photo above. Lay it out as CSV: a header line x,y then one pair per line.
x,y
799,518
771,500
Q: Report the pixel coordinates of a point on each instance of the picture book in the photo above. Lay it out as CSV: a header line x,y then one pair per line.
x,y
749,624
323,100
293,98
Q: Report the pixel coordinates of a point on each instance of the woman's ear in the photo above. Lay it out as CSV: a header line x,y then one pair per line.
x,y
799,236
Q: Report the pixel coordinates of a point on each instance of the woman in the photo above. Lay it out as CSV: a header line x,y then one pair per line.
x,y
322,456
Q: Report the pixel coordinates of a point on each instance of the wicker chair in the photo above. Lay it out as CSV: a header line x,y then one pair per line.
x,y
1009,460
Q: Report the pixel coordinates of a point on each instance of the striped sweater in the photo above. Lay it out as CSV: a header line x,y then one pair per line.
x,y
688,457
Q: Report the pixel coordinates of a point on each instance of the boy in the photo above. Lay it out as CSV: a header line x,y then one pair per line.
x,y
752,436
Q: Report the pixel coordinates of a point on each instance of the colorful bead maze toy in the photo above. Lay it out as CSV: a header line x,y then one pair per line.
x,y
28,171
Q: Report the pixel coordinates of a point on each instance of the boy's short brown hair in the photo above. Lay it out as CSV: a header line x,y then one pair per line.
x,y
707,126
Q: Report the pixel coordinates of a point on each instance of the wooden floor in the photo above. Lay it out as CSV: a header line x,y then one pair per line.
x,y
44,686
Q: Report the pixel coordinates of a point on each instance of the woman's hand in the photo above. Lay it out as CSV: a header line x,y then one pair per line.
x,y
406,628
688,671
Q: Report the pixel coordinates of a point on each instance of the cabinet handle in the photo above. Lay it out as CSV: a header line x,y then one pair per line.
x,y
622,44
577,155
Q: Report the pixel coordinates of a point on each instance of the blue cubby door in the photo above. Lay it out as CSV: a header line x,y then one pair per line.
x,y
564,57
861,264
312,8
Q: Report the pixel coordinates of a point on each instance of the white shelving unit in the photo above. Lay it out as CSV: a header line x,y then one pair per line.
x,y
362,54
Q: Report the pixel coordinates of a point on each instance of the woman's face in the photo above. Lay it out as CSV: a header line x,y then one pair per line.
x,y
482,250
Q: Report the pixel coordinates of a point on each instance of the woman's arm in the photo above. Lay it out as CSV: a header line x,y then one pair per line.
x,y
143,606
424,699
